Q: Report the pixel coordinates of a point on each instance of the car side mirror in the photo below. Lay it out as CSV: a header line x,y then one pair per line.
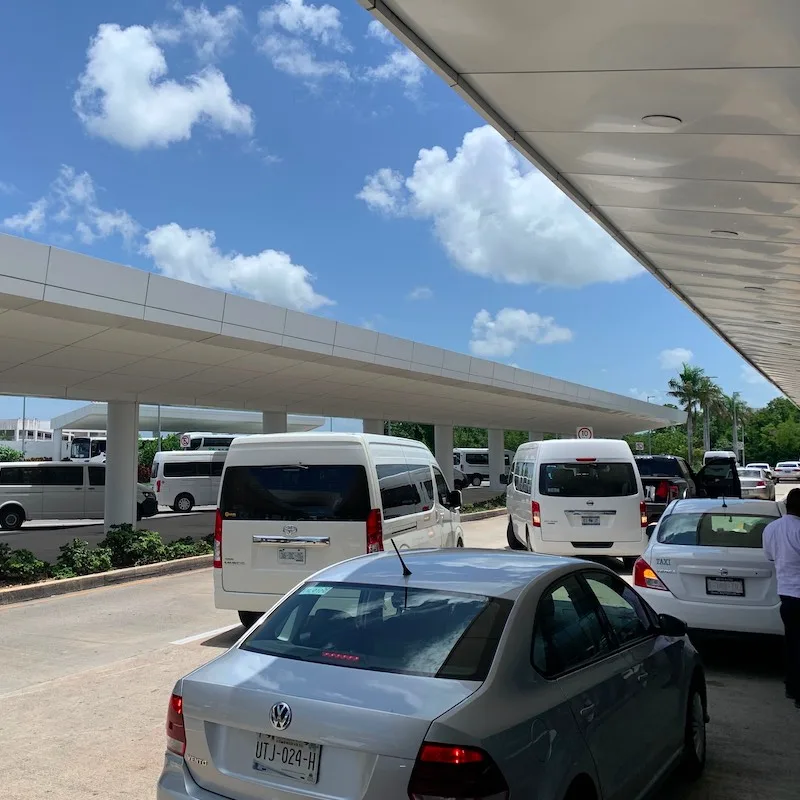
x,y
454,499
672,626
651,528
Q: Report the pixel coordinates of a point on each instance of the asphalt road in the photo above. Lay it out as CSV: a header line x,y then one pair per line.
x,y
84,682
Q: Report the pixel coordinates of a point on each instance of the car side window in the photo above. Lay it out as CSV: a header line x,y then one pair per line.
x,y
626,615
567,629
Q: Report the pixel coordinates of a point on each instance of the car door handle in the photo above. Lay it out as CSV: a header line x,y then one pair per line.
x,y
588,712
629,673
642,677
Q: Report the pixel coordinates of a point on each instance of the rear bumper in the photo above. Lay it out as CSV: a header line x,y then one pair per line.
x,y
716,616
567,548
758,494
242,601
176,783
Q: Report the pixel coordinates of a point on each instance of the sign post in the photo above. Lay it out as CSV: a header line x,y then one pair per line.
x,y
639,447
585,432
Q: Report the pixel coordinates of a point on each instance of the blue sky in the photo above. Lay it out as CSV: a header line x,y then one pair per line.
x,y
295,153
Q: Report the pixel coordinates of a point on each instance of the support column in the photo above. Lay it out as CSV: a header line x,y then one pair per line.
x,y
274,422
372,426
122,463
57,454
443,447
497,461
535,436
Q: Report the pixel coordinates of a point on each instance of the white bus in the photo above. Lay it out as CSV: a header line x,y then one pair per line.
x,y
474,463
88,448
198,440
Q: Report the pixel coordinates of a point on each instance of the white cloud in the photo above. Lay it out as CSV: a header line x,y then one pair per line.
x,y
29,221
500,336
7,188
674,358
421,293
209,34
400,64
751,376
192,255
292,30
124,96
498,217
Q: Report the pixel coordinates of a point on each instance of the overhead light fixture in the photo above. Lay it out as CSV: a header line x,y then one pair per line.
x,y
756,288
723,232
665,121
770,322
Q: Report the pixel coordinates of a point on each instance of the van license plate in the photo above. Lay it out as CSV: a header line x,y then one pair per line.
x,y
726,587
295,555
298,760
590,520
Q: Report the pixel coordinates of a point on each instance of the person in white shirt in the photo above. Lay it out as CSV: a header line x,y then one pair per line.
x,y
782,545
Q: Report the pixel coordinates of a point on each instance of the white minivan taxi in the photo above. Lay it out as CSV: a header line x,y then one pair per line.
x,y
577,497
184,479
291,504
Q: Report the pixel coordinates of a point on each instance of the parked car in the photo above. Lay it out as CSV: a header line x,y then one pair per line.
x,y
460,480
705,565
42,490
762,465
664,479
291,504
480,674
756,484
787,471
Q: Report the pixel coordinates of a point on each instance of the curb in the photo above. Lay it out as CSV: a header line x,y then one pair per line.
x,y
37,591
495,512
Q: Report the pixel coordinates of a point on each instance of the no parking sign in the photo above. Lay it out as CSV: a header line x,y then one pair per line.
x,y
186,441
585,432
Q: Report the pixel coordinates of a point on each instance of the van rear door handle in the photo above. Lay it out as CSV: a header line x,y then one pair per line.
x,y
305,541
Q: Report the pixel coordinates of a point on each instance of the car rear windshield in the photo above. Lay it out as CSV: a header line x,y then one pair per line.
x,y
787,465
658,467
596,479
749,473
331,493
409,631
713,530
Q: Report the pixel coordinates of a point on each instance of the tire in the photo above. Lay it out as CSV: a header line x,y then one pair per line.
x,y
460,543
184,503
249,618
694,743
513,542
528,545
476,480
11,518
628,562
139,514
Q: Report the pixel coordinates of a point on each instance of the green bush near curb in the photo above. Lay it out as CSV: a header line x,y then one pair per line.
x,y
486,505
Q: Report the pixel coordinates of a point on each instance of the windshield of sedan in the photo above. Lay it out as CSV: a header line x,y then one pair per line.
x,y
713,530
410,631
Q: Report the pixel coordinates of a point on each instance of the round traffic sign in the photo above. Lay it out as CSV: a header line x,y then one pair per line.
x,y
585,433
186,440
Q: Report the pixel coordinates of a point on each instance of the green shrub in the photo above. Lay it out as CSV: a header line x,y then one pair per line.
x,y
131,547
10,454
486,505
186,547
78,558
21,566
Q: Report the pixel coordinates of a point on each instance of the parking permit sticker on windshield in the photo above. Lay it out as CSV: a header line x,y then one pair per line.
x,y
315,590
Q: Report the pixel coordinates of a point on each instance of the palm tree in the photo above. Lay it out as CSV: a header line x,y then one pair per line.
x,y
686,389
712,400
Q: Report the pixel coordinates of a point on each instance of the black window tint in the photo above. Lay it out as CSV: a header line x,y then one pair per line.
x,y
658,467
216,468
621,606
713,530
421,478
62,476
97,476
456,459
567,630
477,459
399,496
337,493
409,631
595,479
187,469
217,441
154,470
21,476
442,492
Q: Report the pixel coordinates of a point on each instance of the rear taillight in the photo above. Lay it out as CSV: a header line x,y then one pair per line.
x,y
218,540
374,531
643,513
176,732
158,485
443,772
644,576
761,484
536,514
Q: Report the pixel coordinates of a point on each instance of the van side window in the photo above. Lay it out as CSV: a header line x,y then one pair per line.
x,y
216,468
97,476
21,476
62,476
186,469
442,492
522,476
477,459
421,478
154,472
399,495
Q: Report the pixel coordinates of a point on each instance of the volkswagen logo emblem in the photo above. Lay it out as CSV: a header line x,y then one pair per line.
x,y
280,715
289,530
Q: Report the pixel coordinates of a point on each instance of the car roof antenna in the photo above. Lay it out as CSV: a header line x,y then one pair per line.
x,y
724,504
406,570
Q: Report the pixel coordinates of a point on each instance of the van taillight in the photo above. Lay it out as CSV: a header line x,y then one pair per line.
x,y
374,531
218,540
536,514
158,485
176,731
442,772
643,513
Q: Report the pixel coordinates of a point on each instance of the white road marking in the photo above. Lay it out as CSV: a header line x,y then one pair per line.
x,y
205,635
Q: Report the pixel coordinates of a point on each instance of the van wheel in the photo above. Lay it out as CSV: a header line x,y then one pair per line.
x,y
11,518
460,543
528,545
183,503
628,562
513,542
476,480
249,618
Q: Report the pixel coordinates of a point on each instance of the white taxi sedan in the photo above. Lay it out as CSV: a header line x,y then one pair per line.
x,y
787,471
705,564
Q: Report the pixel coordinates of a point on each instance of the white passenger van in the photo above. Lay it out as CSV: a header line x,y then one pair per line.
x,y
33,490
291,504
577,497
474,463
184,479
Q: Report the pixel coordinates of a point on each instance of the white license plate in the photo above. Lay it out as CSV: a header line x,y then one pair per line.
x,y
288,757
726,587
590,520
295,555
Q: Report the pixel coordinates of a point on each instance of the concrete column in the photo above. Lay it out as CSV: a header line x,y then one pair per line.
x,y
274,422
535,436
372,426
497,461
57,444
443,447
122,462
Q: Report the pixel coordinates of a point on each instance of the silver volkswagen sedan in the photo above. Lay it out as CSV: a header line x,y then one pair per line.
x,y
478,674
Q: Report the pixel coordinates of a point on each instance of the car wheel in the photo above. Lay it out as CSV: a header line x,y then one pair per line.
x,y
183,503
694,744
11,518
628,562
249,618
476,480
139,514
513,542
460,543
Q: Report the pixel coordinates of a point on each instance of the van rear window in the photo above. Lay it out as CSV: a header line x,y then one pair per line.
x,y
595,479
325,493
